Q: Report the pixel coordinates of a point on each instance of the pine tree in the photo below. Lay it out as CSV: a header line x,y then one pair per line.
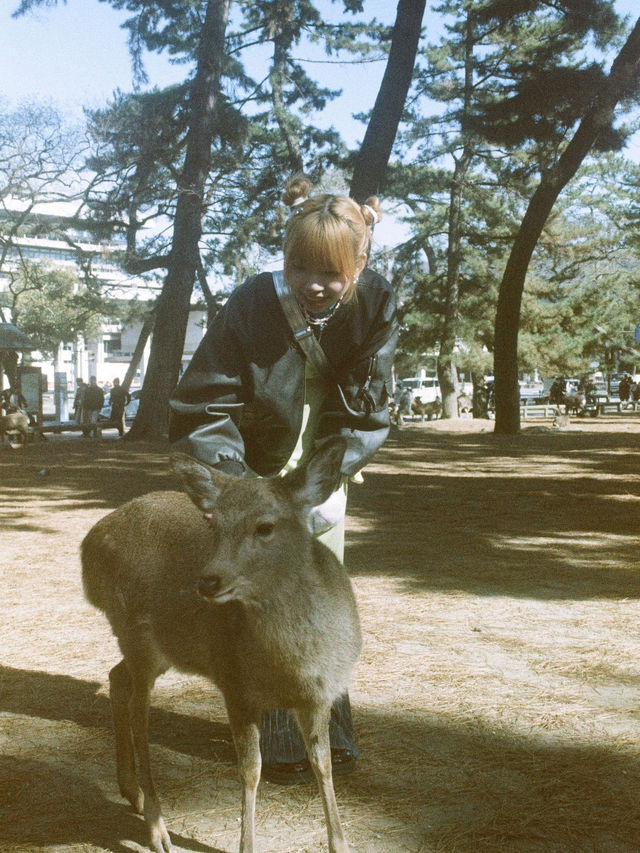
x,y
511,77
622,83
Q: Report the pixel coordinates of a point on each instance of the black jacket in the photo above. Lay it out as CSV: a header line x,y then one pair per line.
x,y
240,401
93,399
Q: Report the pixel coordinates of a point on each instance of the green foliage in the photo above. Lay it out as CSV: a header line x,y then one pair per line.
x,y
53,307
264,128
264,131
583,293
512,80
137,143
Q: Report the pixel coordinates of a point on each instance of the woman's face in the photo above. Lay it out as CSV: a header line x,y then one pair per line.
x,y
317,290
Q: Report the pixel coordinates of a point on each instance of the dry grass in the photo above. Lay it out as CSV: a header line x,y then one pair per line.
x,y
497,701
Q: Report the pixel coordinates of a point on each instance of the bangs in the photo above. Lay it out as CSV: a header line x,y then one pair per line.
x,y
321,244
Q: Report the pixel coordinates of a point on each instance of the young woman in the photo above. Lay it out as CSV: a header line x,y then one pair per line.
x,y
252,404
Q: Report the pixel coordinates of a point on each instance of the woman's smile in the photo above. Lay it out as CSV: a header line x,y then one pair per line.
x,y
318,303
316,290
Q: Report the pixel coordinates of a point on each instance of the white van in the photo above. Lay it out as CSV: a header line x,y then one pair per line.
x,y
422,388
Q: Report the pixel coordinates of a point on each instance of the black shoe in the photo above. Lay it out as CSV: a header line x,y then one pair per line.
x,y
288,773
343,761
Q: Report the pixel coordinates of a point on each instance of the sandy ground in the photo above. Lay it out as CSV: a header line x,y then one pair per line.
x,y
497,701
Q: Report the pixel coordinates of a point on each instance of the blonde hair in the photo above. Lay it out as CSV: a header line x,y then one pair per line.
x,y
328,232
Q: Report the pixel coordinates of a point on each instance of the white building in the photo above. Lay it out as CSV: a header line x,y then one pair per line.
x,y
108,355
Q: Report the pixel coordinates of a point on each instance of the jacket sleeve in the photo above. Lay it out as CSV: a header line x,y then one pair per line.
x,y
205,408
361,405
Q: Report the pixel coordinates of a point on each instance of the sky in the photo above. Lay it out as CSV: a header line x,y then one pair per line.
x,y
76,55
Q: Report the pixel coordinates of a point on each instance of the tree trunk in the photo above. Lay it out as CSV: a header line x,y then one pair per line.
x,y
623,81
277,76
173,304
447,372
143,337
373,157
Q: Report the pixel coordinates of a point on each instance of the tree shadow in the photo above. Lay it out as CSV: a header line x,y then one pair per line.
x,y
431,780
62,697
83,475
532,517
71,811
476,787
44,802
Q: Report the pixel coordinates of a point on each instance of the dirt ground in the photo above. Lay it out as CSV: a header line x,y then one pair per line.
x,y
497,700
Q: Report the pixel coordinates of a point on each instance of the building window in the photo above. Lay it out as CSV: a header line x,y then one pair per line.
x,y
112,343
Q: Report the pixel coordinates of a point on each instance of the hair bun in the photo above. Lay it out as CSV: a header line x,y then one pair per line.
x,y
371,211
296,190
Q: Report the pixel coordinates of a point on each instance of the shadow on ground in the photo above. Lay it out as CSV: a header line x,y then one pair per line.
x,y
474,783
462,506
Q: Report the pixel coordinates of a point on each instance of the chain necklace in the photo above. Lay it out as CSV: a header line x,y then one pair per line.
x,y
321,319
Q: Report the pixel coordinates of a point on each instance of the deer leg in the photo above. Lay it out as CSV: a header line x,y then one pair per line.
x,y
120,690
142,680
314,725
246,736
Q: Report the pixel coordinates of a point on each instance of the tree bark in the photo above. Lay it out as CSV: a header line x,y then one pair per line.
x,y
447,372
281,48
143,337
623,81
172,313
373,157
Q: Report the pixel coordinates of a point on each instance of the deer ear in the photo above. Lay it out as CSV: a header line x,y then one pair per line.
x,y
201,482
314,483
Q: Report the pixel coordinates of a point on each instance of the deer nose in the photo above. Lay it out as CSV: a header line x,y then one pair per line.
x,y
209,585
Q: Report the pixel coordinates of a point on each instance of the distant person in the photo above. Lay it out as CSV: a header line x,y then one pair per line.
x,y
8,401
78,401
557,391
119,398
480,400
403,405
93,402
590,390
13,400
624,388
491,395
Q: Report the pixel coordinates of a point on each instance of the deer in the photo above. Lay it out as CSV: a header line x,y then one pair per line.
x,y
14,424
465,405
225,580
433,409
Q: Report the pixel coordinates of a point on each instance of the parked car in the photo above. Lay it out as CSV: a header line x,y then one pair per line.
x,y
533,392
424,389
130,410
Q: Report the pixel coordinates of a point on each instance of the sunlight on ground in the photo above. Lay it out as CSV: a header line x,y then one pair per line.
x,y
496,702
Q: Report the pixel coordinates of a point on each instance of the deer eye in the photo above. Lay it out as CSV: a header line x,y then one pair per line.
x,y
264,529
